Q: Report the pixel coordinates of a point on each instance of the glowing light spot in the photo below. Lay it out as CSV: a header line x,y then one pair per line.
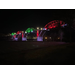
x,y
58,37
54,26
37,33
45,37
18,32
25,32
44,28
14,36
37,28
34,37
41,28
31,31
12,33
50,37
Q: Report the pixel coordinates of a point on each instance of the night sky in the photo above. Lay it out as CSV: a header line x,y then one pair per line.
x,y
12,20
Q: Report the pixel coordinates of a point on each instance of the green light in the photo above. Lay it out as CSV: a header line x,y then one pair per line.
x,y
12,33
30,30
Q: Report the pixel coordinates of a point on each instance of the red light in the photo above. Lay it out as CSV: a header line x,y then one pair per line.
x,y
50,27
45,25
37,33
54,24
18,32
60,22
46,28
22,35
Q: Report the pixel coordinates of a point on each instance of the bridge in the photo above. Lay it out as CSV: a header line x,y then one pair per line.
x,y
58,24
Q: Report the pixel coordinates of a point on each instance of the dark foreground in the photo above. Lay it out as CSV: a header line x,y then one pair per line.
x,y
37,53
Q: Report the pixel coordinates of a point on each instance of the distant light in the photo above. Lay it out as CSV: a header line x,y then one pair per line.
x,y
38,28
41,28
58,37
64,25
45,37
50,37
12,33
25,32
34,37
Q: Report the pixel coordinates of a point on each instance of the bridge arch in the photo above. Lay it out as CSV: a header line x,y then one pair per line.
x,y
54,24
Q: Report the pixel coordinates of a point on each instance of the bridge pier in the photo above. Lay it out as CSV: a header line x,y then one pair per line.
x,y
24,39
39,38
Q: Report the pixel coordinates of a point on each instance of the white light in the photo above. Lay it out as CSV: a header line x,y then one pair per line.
x,y
44,28
38,28
41,28
64,25
50,37
25,32
31,31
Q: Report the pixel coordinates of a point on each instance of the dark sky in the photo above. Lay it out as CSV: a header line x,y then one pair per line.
x,y
12,20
